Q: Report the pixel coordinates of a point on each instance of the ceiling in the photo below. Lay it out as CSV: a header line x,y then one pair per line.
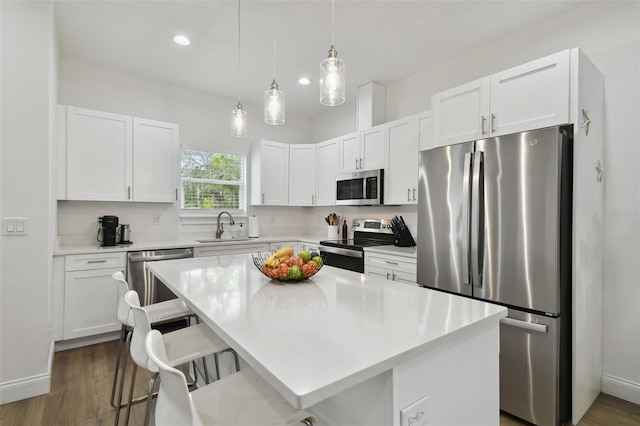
x,y
381,41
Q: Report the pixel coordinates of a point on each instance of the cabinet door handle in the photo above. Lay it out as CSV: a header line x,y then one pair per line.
x,y
408,194
493,123
97,261
176,194
390,262
356,164
361,164
128,192
263,197
393,276
484,121
414,194
313,200
387,275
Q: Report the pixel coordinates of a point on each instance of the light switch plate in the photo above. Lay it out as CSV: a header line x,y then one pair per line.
x,y
14,226
415,414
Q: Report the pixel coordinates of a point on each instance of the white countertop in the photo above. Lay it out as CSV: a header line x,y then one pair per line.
x,y
179,243
314,339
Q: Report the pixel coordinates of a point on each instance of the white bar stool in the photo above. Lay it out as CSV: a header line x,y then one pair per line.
x,y
182,346
159,313
242,398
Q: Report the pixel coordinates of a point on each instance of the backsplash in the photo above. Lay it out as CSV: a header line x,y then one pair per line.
x,y
78,220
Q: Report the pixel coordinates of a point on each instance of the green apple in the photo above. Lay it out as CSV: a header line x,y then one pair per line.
x,y
305,256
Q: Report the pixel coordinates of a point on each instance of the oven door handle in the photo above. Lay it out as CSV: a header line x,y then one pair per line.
x,y
342,251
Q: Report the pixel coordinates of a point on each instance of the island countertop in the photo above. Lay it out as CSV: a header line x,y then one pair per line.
x,y
314,339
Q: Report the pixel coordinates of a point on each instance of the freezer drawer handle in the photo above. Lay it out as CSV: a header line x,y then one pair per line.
x,y
540,328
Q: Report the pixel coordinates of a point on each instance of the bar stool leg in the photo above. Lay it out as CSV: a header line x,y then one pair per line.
x,y
133,381
122,377
152,385
123,334
215,356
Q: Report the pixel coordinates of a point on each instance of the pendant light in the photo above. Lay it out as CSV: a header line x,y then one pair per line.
x,y
274,97
332,72
238,115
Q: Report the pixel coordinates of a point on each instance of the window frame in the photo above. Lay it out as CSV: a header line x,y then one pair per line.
x,y
207,213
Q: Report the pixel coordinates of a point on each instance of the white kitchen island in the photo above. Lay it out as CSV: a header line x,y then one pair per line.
x,y
354,350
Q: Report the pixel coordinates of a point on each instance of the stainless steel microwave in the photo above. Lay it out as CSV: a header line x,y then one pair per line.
x,y
360,188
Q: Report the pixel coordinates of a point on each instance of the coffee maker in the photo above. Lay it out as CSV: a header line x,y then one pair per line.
x,y
108,230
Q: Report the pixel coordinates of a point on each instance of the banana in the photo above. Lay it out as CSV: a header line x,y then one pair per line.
x,y
278,257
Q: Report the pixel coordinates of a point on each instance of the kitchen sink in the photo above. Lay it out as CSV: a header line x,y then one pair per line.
x,y
223,240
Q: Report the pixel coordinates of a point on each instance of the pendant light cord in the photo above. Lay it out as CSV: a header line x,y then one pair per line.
x,y
238,72
333,20
274,40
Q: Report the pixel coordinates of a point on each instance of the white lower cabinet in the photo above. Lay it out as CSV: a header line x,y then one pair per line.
x,y
229,249
391,267
90,294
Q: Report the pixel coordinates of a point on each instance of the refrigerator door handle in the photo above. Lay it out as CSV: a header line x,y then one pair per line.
x,y
540,328
466,187
477,221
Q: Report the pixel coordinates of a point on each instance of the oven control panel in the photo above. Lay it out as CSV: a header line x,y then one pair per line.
x,y
379,226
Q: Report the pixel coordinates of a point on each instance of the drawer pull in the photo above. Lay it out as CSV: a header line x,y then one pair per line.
x,y
390,262
97,261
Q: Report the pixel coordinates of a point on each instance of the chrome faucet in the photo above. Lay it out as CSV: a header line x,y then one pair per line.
x,y
220,227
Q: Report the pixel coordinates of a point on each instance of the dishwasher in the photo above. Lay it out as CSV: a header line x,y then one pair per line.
x,y
149,288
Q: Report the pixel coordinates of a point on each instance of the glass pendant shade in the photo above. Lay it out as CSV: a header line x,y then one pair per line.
x,y
239,122
274,105
332,79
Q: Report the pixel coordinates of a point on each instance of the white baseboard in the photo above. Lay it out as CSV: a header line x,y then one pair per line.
x,y
64,345
27,387
621,388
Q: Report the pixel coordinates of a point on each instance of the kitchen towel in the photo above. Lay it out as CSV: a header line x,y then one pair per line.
x,y
254,227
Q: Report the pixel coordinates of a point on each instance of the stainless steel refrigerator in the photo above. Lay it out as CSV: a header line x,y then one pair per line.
x,y
494,223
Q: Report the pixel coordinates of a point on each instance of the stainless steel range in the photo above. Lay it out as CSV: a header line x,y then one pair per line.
x,y
349,253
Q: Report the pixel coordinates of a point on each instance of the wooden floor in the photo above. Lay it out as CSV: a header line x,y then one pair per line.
x,y
81,385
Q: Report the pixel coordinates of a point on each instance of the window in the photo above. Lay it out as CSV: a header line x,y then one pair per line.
x,y
212,181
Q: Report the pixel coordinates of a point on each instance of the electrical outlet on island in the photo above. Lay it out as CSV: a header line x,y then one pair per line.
x,y
415,414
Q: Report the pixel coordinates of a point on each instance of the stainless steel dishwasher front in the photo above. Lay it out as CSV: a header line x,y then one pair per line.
x,y
149,288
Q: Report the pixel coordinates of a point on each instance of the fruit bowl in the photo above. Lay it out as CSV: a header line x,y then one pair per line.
x,y
284,266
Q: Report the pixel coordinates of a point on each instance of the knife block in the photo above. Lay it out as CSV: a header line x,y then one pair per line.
x,y
403,238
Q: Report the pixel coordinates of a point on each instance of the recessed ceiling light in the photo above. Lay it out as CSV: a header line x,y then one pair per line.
x,y
304,81
180,39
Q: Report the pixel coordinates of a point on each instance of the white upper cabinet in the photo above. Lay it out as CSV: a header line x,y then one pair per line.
x,y
98,155
302,174
526,97
156,147
112,157
372,147
350,153
401,169
423,126
327,167
460,114
269,173
362,150
531,96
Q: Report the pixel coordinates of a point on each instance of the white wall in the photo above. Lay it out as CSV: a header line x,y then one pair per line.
x,y
608,33
28,68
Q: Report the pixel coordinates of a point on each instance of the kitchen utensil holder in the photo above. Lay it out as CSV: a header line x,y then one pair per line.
x,y
403,238
333,231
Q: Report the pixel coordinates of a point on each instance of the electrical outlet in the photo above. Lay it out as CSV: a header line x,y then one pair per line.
x,y
156,219
415,414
